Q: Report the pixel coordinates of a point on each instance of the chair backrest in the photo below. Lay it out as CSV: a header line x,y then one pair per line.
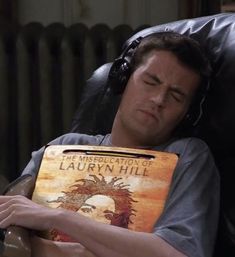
x,y
42,73
217,34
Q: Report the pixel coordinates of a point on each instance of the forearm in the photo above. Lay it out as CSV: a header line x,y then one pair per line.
x,y
46,248
103,240
107,240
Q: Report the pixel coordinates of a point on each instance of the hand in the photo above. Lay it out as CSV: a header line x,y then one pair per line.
x,y
20,211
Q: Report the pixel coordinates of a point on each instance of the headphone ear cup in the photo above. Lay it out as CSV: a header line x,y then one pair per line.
x,y
196,110
193,117
119,75
120,71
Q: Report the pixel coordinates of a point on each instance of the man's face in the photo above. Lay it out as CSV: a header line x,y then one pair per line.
x,y
156,99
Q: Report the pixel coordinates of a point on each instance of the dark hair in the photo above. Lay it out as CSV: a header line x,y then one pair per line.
x,y
191,54
83,189
188,51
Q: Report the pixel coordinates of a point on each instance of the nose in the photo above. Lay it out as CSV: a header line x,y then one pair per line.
x,y
159,98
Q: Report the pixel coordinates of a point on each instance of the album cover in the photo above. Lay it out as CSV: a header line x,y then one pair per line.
x,y
119,186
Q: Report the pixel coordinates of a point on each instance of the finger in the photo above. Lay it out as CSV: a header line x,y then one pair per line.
x,y
9,201
6,218
5,223
11,208
4,198
12,213
5,206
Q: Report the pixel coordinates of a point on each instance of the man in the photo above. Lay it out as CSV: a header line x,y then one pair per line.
x,y
168,74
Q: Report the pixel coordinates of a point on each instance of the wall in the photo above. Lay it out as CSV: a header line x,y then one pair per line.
x,y
90,12
43,11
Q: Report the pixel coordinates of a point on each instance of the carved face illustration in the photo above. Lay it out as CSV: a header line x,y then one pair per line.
x,y
99,207
107,202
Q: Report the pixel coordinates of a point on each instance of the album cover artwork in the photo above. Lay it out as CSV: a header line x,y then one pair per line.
x,y
119,186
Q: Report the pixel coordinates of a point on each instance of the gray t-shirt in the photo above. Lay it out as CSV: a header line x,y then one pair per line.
x,y
190,216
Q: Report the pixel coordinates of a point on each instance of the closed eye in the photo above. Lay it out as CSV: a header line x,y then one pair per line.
x,y
177,96
151,80
150,83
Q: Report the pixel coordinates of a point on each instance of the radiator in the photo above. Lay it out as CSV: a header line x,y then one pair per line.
x,y
43,70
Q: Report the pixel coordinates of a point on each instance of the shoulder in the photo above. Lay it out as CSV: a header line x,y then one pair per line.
x,y
194,156
77,139
193,197
66,139
188,148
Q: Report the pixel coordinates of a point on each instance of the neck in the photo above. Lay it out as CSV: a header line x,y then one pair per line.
x,y
122,141
122,136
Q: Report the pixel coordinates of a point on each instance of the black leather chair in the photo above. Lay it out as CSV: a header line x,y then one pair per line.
x,y
217,127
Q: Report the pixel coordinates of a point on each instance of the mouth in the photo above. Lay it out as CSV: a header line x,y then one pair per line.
x,y
149,114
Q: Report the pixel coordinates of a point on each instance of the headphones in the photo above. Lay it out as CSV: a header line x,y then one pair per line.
x,y
121,70
195,111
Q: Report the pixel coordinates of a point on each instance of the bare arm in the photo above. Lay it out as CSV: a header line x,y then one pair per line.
x,y
106,240
45,248
101,239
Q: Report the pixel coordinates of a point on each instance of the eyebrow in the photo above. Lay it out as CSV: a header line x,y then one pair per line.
x,y
89,205
173,88
154,77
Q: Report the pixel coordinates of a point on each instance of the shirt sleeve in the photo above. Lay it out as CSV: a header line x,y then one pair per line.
x,y
33,166
190,216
